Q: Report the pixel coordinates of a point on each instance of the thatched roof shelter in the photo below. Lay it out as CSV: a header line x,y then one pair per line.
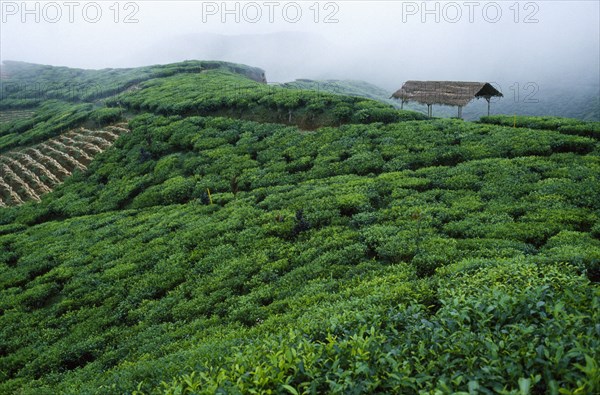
x,y
449,93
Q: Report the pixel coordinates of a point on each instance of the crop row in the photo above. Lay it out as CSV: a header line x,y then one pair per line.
x,y
14,115
29,173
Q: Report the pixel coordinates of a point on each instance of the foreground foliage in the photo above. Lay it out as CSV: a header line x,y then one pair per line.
x,y
502,328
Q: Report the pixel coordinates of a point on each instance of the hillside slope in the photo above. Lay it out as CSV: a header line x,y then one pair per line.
x,y
210,251
345,87
36,83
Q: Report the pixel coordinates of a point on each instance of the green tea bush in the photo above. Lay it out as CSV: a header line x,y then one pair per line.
x,y
512,302
564,125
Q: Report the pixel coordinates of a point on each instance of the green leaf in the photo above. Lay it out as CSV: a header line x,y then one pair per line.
x,y
524,386
290,389
473,387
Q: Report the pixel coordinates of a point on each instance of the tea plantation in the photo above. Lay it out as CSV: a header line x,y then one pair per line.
x,y
244,238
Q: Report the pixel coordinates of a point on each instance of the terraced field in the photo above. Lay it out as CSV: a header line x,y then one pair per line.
x,y
27,174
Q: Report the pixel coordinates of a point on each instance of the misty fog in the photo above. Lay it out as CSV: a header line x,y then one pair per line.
x,y
554,44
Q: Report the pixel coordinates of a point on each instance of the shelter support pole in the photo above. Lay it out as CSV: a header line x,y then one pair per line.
x,y
402,105
460,112
488,100
429,112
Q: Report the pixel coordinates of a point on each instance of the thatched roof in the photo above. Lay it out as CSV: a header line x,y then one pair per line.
x,y
451,93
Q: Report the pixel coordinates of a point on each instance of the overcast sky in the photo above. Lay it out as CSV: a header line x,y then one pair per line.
x,y
381,41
